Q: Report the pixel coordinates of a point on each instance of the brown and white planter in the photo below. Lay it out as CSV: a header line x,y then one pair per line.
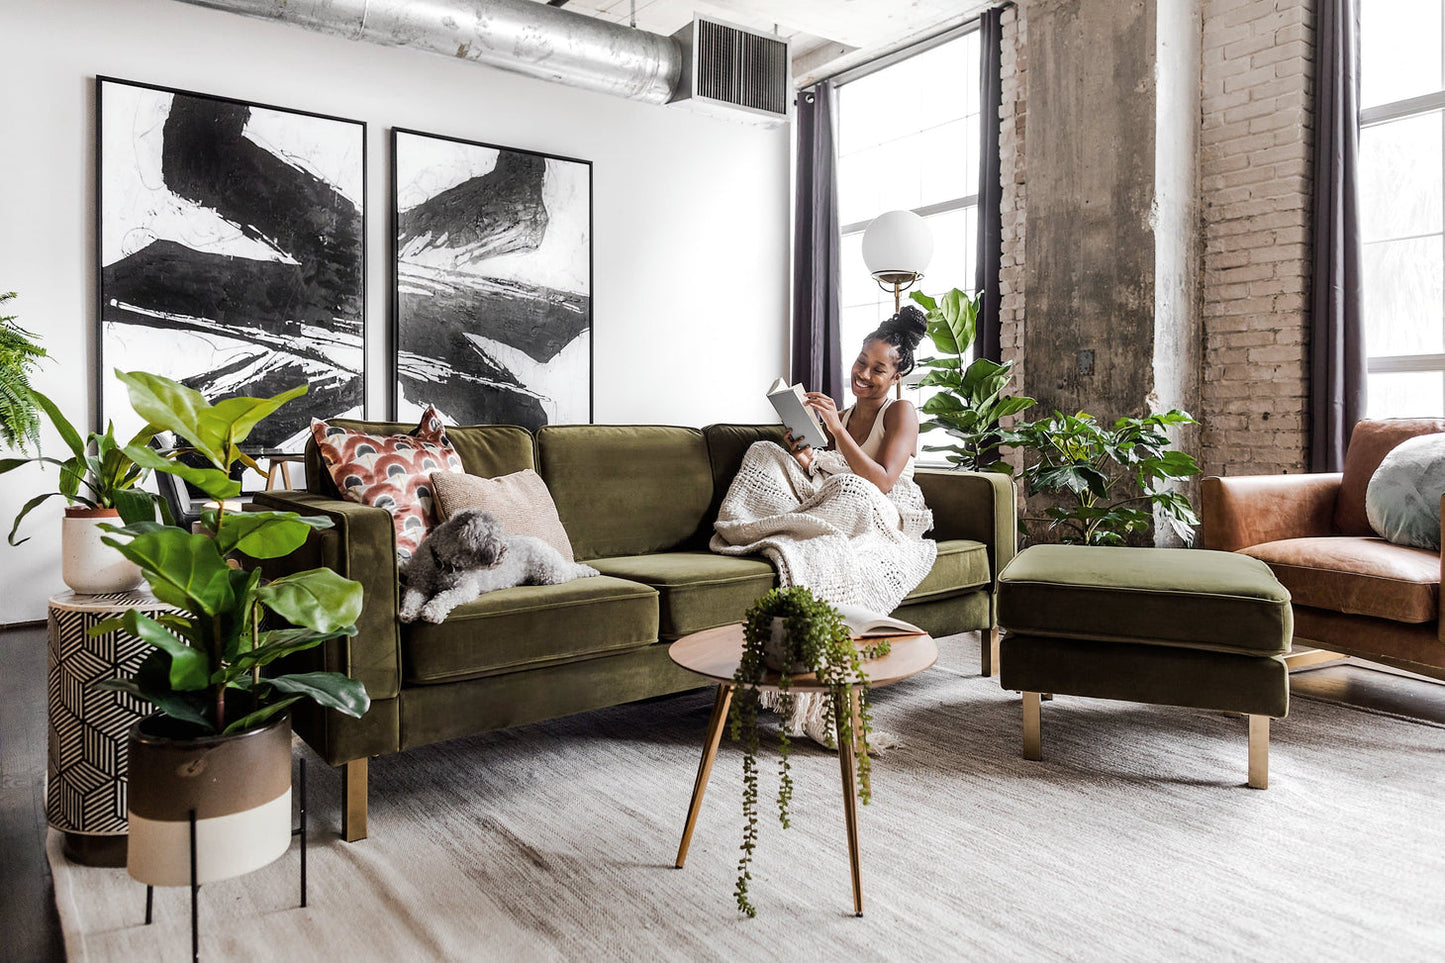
x,y
88,565
239,786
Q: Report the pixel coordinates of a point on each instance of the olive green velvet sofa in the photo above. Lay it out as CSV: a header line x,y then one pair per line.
x,y
638,503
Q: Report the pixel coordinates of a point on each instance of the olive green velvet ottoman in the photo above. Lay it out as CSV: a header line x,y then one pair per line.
x,y
1179,627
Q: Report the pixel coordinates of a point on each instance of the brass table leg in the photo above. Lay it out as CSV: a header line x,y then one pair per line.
x,y
1259,752
1033,737
850,791
704,767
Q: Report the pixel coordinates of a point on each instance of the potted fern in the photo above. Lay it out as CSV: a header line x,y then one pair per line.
x,y
220,744
786,634
19,354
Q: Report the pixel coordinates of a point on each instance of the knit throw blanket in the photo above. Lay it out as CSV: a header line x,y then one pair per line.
x,y
830,530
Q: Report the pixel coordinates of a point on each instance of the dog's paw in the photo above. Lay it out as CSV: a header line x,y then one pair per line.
x,y
434,613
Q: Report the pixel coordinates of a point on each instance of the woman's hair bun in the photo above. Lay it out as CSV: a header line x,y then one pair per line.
x,y
910,323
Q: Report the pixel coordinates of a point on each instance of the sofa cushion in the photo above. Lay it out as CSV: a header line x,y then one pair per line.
x,y
696,590
1198,599
519,501
1370,442
390,471
962,565
1403,498
529,626
485,450
626,489
1357,575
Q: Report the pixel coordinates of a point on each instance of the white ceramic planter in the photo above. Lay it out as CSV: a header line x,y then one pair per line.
x,y
774,651
88,565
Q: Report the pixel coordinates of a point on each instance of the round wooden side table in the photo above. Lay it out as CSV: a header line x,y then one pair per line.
x,y
85,786
715,654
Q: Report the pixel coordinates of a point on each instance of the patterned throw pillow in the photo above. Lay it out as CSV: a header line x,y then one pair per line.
x,y
391,472
1402,500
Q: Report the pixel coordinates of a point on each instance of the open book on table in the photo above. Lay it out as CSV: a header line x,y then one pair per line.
x,y
871,625
801,420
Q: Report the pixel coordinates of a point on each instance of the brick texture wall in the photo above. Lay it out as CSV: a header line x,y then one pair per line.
x,y
1013,70
1255,163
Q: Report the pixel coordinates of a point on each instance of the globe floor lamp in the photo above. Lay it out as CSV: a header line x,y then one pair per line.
x,y
897,247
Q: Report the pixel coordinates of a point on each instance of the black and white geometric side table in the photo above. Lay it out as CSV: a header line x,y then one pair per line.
x,y
85,788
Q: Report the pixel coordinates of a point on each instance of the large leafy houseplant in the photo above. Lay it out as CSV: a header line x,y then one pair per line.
x,y
1111,479
99,474
814,639
972,402
206,670
19,354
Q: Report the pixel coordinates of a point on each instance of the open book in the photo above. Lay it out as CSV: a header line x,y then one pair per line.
x,y
801,420
868,625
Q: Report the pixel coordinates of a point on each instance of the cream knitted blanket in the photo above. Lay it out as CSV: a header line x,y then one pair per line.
x,y
830,530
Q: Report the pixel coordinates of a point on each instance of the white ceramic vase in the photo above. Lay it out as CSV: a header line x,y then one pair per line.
x,y
88,565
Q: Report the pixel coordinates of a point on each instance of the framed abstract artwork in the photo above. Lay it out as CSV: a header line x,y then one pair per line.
x,y
232,252
492,298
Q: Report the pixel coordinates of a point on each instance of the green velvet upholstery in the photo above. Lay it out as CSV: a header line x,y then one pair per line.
x,y
485,450
1155,674
961,564
978,506
339,739
361,546
626,489
726,445
432,713
1196,599
950,614
530,625
697,590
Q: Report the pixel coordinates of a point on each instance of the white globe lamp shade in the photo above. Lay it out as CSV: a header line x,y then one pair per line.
x,y
897,244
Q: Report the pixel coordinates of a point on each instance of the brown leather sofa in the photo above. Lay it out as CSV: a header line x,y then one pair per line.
x,y
1353,592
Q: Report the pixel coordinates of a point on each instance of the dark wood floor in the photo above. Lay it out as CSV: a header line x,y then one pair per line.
x,y
31,927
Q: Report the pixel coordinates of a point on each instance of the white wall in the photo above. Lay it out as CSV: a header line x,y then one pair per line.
x,y
690,229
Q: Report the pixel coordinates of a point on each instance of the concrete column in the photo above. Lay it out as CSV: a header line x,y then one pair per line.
x,y
1112,322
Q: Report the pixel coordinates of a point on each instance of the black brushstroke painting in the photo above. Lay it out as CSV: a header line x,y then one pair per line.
x,y
239,247
478,264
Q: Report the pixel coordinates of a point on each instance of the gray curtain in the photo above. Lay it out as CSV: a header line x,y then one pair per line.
x,y
817,362
1337,350
990,188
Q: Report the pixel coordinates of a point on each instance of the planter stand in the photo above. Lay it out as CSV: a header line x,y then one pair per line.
x,y
196,887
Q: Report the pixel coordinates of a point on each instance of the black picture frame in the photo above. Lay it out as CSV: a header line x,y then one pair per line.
x,y
535,324
246,238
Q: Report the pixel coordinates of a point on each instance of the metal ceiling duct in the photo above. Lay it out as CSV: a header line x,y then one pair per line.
x,y
516,35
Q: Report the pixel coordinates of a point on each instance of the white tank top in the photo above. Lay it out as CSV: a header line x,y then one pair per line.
x,y
873,445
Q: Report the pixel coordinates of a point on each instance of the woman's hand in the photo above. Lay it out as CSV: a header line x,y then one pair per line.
x,y
827,410
799,449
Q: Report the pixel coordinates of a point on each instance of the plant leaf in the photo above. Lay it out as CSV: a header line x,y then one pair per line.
x,y
214,482
182,569
317,599
330,689
265,534
261,714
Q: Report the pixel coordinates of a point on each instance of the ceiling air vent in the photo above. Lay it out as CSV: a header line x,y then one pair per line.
x,y
733,72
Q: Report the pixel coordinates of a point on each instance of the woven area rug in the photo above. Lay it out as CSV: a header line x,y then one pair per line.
x,y
1134,838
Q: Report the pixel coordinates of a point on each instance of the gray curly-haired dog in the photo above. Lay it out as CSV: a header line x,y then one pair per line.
x,y
468,555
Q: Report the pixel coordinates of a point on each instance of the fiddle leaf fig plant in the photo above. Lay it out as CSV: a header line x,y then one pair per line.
x,y
972,401
1111,478
206,667
814,640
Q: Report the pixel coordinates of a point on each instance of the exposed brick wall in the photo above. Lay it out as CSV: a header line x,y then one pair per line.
x,y
1255,164
1013,69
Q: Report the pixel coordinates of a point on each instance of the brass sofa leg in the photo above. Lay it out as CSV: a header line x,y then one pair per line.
x,y
1259,752
353,800
1033,737
988,652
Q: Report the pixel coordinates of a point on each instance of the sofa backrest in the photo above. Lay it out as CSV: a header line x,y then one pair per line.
x,y
726,445
485,450
626,489
1370,442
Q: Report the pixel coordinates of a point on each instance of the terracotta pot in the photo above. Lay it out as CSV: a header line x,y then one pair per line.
x,y
239,786
88,565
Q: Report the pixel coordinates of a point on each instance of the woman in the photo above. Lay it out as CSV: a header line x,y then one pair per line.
x,y
878,435
848,521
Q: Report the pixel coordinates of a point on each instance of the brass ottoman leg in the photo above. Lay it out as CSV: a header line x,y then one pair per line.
x,y
988,652
353,806
1259,752
1033,740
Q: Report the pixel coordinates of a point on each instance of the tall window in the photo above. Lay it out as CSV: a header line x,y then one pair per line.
x,y
1402,130
908,140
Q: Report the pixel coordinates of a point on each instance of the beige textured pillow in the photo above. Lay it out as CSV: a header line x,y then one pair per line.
x,y
520,501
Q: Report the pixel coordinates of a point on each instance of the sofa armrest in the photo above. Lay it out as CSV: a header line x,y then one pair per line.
x,y
360,546
979,505
1249,510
